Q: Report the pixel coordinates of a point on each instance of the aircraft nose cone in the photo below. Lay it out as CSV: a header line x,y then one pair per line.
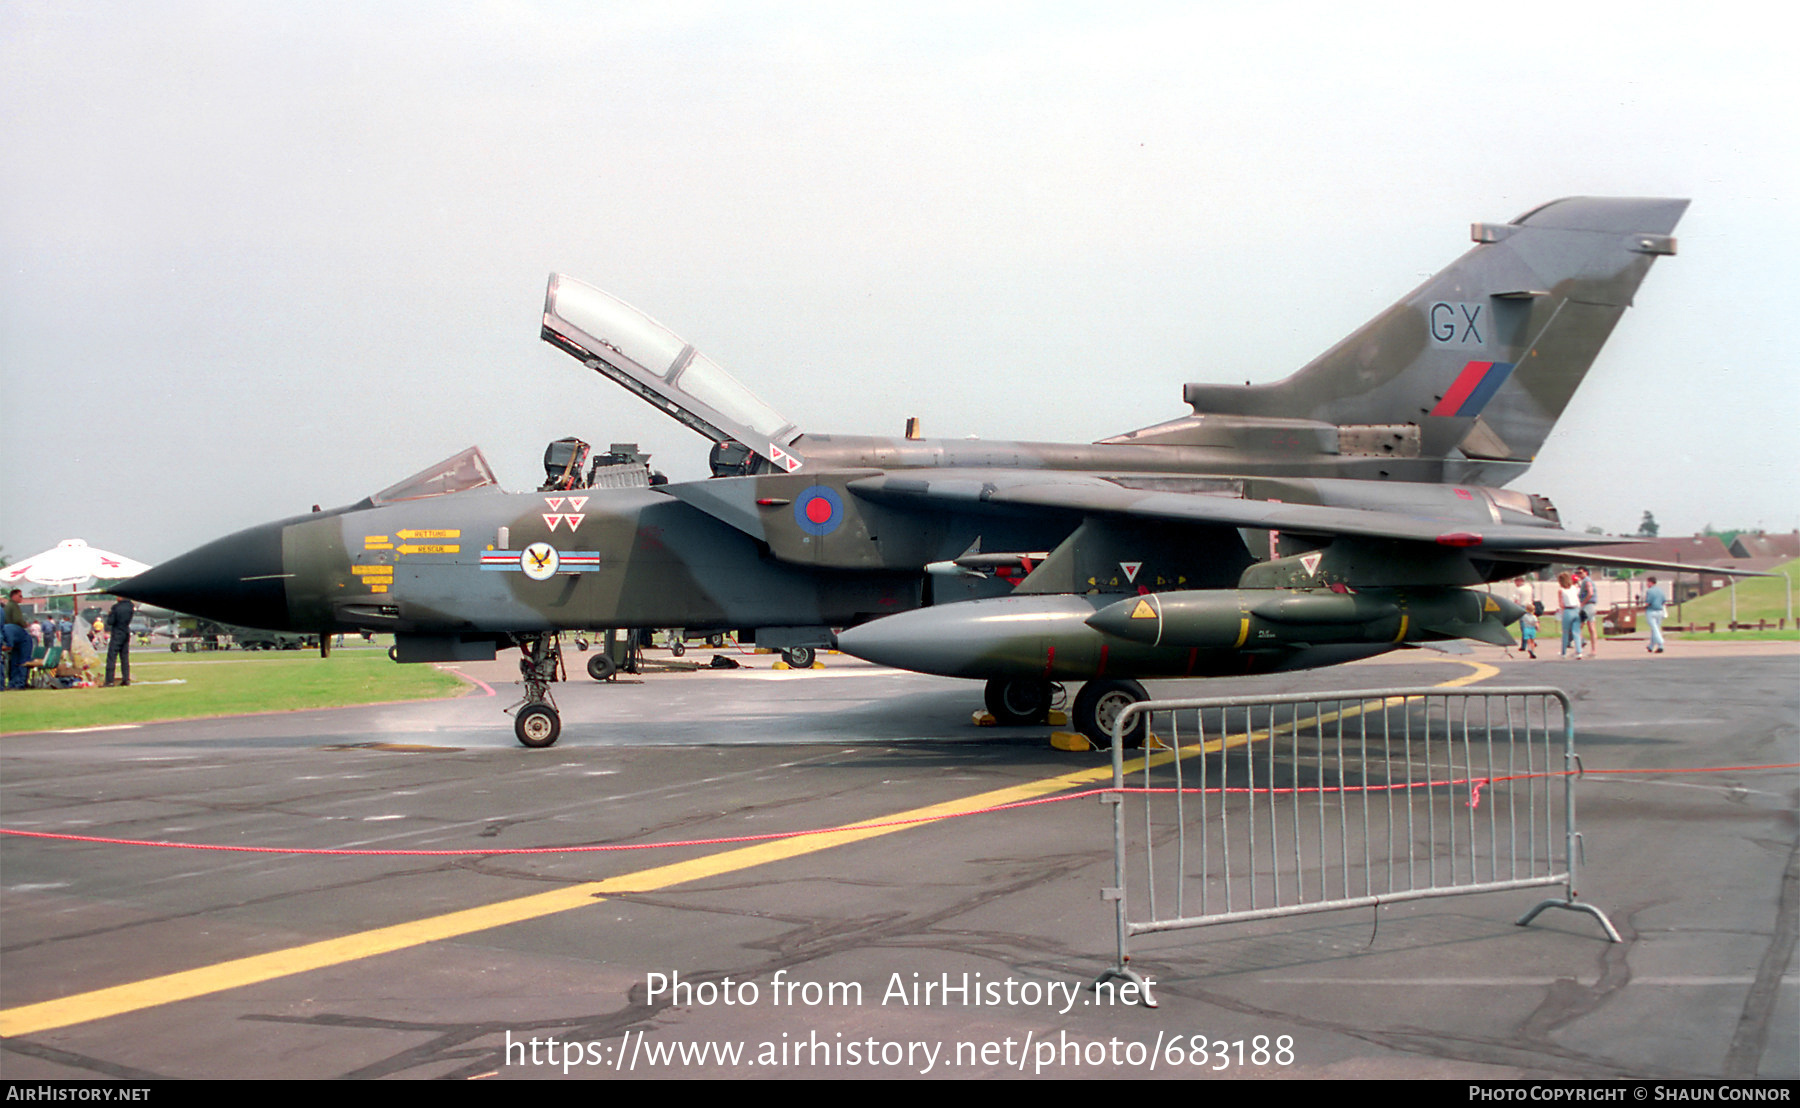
x,y
236,579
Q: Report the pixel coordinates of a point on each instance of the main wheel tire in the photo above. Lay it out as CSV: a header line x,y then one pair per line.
x,y
394,653
715,641
537,726
601,667
1100,703
799,657
1018,701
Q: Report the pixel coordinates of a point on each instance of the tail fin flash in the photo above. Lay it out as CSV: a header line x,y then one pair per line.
x,y
1483,357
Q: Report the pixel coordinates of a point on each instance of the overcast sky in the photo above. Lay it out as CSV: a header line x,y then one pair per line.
x,y
259,256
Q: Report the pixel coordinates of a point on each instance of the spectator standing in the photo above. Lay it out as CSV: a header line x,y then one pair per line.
x,y
1568,599
118,643
17,641
1656,607
1590,607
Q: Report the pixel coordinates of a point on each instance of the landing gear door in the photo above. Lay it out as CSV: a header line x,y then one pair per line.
x,y
615,339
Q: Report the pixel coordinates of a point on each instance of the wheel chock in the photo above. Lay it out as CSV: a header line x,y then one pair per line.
x,y
818,664
781,665
983,718
1076,741
1058,718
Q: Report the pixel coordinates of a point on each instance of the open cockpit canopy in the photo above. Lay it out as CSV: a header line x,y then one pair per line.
x,y
615,339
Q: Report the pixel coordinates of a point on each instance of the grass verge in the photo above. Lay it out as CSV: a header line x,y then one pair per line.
x,y
224,684
1758,598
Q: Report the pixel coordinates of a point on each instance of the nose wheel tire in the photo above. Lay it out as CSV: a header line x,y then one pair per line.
x,y
1099,705
537,726
799,657
601,667
1018,701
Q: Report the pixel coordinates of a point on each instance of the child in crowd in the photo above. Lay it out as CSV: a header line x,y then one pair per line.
x,y
1528,629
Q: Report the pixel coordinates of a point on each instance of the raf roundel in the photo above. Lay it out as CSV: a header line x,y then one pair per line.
x,y
818,510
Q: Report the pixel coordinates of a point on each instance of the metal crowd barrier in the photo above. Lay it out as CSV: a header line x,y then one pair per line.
x,y
1263,807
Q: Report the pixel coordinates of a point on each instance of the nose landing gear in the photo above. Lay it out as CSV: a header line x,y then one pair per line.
x,y
537,725
536,722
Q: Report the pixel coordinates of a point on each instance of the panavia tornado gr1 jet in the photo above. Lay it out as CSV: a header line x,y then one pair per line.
x,y
1343,512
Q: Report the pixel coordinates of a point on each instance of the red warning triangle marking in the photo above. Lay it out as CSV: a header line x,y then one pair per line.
x,y
574,521
555,502
578,502
552,519
1131,570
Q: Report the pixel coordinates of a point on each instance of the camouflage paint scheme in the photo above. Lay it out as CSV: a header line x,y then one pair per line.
x,y
1338,513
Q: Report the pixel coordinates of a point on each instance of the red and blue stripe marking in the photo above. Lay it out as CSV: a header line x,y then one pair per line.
x,y
567,561
1473,388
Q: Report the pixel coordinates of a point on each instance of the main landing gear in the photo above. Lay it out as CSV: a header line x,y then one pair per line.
x,y
1020,701
1026,701
1099,705
537,722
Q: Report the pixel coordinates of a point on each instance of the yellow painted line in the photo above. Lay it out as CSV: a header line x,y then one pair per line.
x,y
29,1019
1481,671
101,1003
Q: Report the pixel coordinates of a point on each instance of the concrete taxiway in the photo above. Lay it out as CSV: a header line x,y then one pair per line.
x,y
133,962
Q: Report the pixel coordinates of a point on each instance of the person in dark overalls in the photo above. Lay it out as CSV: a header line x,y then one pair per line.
x,y
118,640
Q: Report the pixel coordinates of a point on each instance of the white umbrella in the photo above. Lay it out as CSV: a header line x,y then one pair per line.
x,y
70,562
66,565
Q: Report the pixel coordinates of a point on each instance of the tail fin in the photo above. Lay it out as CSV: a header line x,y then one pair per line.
x,y
1483,357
